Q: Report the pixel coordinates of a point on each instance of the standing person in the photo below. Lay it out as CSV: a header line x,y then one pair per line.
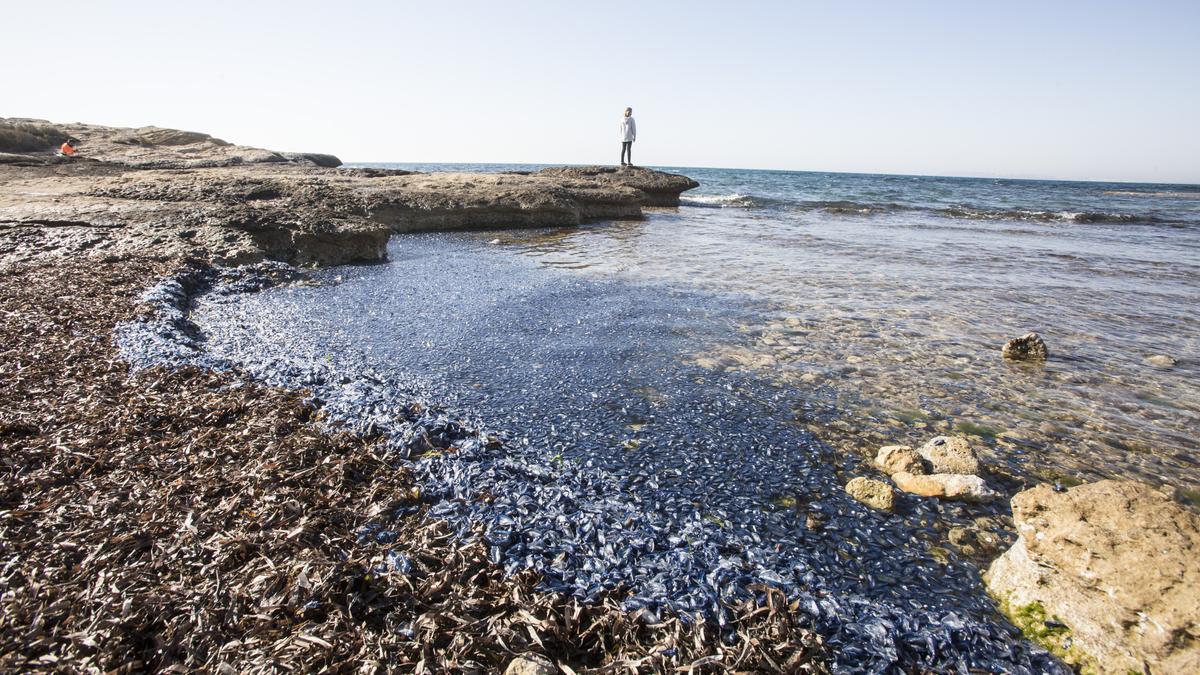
x,y
628,136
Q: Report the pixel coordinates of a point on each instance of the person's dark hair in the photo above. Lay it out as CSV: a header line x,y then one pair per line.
x,y
72,141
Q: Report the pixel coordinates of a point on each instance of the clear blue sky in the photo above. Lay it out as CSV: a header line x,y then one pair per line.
x,y
1088,90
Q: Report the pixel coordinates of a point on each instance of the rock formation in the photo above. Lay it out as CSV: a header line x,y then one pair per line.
x,y
875,494
167,193
1113,569
950,454
657,188
1028,347
945,467
962,487
893,459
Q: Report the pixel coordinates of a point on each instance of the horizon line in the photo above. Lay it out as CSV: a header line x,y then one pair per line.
x,y
815,171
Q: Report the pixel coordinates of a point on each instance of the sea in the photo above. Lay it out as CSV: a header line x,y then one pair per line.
x,y
674,404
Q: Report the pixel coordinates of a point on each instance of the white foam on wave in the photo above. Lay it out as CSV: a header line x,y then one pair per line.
x,y
1138,193
734,200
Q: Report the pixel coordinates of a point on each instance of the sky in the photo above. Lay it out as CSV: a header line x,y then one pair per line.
x,y
1089,90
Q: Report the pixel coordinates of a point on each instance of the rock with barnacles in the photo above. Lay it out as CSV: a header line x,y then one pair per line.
x,y
530,664
1028,347
875,494
949,454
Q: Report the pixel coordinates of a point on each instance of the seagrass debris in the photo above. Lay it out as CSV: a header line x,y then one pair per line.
x,y
173,520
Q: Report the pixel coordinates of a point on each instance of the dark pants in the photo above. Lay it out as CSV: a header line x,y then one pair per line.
x,y
627,151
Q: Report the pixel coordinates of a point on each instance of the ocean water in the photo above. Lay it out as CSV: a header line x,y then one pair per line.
x,y
891,296
680,399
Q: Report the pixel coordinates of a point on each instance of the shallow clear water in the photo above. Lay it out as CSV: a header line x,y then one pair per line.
x,y
699,386
887,298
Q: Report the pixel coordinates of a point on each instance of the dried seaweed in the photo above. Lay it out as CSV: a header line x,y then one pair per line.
x,y
173,520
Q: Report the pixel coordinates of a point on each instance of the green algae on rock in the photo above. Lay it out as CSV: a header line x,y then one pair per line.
x,y
1116,562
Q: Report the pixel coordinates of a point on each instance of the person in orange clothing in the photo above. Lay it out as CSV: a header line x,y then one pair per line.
x,y
68,148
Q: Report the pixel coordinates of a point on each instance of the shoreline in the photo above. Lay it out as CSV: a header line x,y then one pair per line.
x,y
243,531
290,544
142,224
164,193
378,407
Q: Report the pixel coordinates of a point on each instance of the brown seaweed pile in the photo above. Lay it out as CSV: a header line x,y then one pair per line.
x,y
181,519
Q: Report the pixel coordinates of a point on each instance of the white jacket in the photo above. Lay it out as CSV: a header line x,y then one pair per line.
x,y
628,129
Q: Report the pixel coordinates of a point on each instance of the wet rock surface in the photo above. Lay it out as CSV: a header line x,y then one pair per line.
x,y
1115,564
1162,361
673,494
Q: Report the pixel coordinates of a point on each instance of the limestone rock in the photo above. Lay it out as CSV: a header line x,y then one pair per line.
x,y
169,193
950,454
945,486
655,188
530,664
1028,347
1118,563
892,459
1161,361
875,494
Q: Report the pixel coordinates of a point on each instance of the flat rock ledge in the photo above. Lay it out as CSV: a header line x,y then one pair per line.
x,y
167,193
1105,575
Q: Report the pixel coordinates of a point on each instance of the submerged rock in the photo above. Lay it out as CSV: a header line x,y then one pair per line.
x,y
1028,347
875,494
893,459
950,454
1114,566
1161,361
962,487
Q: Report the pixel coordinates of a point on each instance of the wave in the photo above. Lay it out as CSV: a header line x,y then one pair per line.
x,y
1053,216
734,200
849,207
1136,193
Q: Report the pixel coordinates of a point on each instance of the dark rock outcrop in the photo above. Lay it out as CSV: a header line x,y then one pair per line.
x,y
1028,347
317,158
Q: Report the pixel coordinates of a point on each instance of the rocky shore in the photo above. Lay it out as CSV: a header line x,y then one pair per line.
x,y
164,193
183,519
189,519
